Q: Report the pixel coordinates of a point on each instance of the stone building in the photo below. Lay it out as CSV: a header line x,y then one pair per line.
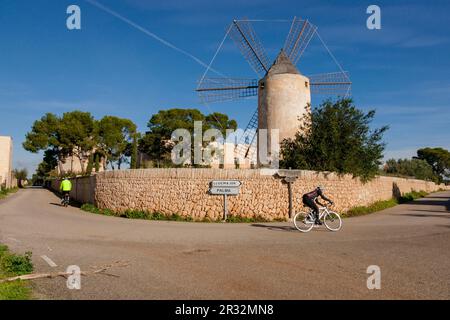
x,y
225,156
72,164
6,151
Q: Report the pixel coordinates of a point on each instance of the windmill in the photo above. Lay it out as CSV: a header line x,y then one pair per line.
x,y
284,94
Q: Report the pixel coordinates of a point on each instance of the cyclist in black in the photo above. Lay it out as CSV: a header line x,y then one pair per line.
x,y
310,200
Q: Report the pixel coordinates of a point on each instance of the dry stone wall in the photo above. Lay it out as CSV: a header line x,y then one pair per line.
x,y
185,191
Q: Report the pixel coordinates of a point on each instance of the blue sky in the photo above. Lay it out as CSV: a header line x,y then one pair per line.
x,y
110,67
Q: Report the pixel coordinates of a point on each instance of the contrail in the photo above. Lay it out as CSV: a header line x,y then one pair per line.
x,y
151,34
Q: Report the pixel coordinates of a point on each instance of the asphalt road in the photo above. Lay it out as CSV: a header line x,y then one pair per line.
x,y
175,260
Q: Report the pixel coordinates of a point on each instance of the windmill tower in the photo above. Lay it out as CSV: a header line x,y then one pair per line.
x,y
284,94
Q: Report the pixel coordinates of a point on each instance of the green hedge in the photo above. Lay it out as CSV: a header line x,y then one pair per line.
x,y
385,204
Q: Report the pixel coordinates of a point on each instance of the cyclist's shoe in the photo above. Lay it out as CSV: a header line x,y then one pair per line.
x,y
318,222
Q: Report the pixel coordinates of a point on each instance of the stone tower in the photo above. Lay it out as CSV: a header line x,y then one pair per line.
x,y
283,97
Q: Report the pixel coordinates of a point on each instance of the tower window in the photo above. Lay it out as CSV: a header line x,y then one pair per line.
x,y
306,84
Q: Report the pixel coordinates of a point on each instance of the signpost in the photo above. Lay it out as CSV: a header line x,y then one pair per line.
x,y
225,188
289,177
226,183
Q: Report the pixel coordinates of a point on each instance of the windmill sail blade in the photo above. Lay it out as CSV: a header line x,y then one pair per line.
x,y
298,38
251,48
225,89
337,83
247,144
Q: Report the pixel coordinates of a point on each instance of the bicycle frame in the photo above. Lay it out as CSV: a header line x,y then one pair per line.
x,y
323,211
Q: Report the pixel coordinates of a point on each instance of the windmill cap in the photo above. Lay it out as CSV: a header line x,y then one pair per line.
x,y
282,64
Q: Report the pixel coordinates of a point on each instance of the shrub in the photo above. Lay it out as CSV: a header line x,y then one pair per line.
x,y
411,196
16,264
131,214
338,137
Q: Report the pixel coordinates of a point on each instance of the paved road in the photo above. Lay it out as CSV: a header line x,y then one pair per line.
x,y
174,260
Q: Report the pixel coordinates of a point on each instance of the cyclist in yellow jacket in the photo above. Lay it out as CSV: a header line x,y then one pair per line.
x,y
65,188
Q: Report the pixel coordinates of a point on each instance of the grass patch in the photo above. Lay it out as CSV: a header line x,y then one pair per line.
x,y
411,196
385,204
14,265
5,192
145,215
135,214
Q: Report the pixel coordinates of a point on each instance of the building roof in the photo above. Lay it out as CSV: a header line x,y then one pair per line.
x,y
282,64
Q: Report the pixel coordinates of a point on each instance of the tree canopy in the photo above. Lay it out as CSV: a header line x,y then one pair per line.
x,y
161,126
115,135
438,159
78,134
337,137
416,168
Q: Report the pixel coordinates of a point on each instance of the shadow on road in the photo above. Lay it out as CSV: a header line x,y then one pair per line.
x,y
275,228
443,203
447,216
436,197
55,204
282,228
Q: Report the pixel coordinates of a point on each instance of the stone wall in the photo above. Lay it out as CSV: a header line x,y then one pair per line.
x,y
83,188
185,191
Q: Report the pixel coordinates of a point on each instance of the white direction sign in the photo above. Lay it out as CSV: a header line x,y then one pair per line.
x,y
226,183
225,188
224,191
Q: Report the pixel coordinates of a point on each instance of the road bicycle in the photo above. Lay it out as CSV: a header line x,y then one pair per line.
x,y
304,222
66,200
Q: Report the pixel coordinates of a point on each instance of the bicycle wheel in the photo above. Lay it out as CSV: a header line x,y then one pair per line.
x,y
302,223
332,221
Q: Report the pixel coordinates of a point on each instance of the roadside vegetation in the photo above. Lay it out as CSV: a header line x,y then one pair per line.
x,y
432,164
145,215
111,142
337,137
22,177
385,204
5,192
14,265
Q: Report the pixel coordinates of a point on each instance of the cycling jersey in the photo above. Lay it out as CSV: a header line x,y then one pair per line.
x,y
66,185
314,194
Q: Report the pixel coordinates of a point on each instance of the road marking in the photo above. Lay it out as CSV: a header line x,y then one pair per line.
x,y
49,261
14,239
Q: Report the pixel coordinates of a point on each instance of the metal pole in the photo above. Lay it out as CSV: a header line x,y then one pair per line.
x,y
225,209
290,199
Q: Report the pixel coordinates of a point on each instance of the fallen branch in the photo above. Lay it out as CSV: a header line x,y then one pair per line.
x,y
100,270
